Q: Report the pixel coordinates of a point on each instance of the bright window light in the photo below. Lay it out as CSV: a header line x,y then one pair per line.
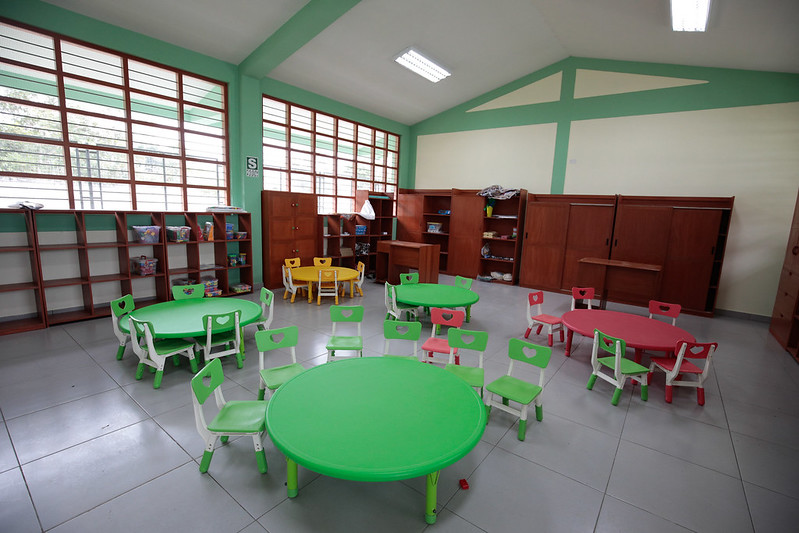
x,y
416,62
689,15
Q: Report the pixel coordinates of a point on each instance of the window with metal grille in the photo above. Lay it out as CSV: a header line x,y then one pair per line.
x,y
309,151
83,127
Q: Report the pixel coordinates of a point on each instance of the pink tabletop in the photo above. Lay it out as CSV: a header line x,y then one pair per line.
x,y
639,332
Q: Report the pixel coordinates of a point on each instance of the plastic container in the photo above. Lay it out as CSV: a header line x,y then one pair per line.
x,y
183,281
232,259
143,266
242,258
239,288
148,234
434,227
178,233
360,229
241,235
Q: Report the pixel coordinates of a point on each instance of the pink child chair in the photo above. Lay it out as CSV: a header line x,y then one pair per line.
x,y
536,318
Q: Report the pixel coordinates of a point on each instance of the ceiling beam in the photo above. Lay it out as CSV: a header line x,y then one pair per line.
x,y
306,24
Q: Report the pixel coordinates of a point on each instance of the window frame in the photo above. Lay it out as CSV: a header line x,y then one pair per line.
x,y
135,96
297,137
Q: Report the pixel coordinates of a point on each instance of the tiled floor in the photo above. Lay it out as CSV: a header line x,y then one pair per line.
x,y
86,447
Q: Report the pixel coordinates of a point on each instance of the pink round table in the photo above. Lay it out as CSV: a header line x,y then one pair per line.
x,y
639,332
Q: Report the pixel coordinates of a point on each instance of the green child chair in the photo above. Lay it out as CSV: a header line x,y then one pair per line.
x,y
223,330
409,278
509,388
475,341
400,330
621,367
276,339
154,352
233,418
120,309
345,314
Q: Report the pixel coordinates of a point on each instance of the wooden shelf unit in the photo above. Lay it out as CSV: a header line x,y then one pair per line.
x,y
507,221
81,260
340,240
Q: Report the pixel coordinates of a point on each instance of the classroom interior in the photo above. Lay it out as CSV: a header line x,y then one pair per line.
x,y
84,446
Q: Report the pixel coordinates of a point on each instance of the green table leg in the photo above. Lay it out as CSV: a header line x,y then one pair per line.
x,y
468,313
431,497
291,478
241,345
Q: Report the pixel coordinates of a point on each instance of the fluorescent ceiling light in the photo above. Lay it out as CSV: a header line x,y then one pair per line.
x,y
689,15
416,62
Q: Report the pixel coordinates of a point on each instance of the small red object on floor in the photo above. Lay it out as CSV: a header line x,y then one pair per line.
x,y
464,484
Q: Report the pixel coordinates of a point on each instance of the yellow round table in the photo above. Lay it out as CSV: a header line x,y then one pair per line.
x,y
310,275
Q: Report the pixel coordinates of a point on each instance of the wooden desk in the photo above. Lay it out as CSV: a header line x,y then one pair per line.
x,y
621,281
395,257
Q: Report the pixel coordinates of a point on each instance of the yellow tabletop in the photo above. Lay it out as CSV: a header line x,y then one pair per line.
x,y
310,275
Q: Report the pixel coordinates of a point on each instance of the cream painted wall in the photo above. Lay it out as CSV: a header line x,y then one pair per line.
x,y
515,157
747,152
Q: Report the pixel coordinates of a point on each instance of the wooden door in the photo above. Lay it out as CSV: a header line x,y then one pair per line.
x,y
465,230
641,233
691,254
590,229
544,245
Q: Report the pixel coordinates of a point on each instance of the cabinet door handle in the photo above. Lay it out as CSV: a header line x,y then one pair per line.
x,y
607,241
795,250
615,242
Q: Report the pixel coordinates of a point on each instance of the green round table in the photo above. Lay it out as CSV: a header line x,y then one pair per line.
x,y
436,295
184,318
375,419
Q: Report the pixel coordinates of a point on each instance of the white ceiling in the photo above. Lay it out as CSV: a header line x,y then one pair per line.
x,y
485,44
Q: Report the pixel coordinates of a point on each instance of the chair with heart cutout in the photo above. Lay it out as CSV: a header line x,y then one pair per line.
x,y
400,330
450,318
187,292
276,339
221,330
120,309
510,388
668,310
345,315
467,340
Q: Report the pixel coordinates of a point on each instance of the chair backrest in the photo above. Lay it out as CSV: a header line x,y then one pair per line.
x,y
346,313
408,278
141,330
539,357
120,308
222,322
277,339
665,309
212,372
401,330
446,317
694,350
292,263
328,276
187,292
322,261
465,283
464,339
267,307
612,345
582,293
534,301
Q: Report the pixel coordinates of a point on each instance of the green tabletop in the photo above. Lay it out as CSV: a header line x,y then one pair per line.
x,y
435,295
375,419
184,318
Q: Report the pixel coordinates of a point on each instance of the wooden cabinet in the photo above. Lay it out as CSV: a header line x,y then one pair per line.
x,y
785,317
424,216
69,265
465,232
290,229
684,237
559,230
501,252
